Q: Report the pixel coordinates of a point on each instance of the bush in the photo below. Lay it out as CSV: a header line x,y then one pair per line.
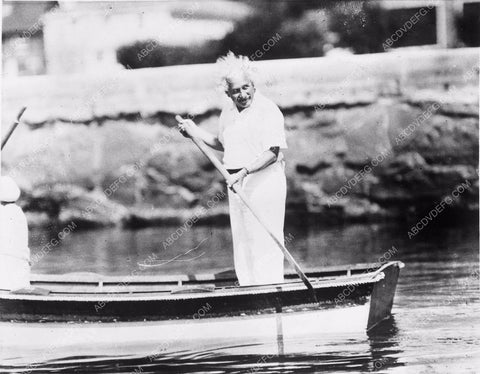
x,y
302,29
150,53
251,33
301,34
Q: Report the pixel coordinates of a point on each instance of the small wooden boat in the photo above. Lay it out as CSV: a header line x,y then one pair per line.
x,y
92,297
186,310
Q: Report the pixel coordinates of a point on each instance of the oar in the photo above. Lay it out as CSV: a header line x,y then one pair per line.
x,y
237,189
14,126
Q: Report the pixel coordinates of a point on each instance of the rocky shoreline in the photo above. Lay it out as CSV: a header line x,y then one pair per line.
x,y
368,151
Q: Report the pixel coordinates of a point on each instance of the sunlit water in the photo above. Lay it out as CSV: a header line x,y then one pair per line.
x,y
436,314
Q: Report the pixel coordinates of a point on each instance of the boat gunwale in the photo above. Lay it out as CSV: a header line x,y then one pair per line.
x,y
226,275
166,295
128,289
218,292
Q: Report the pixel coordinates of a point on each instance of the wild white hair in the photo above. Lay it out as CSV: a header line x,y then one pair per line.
x,y
231,65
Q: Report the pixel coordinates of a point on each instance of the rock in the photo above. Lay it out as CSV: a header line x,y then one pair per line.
x,y
410,179
125,184
456,100
345,208
37,219
437,138
366,134
93,209
138,218
313,167
66,203
363,209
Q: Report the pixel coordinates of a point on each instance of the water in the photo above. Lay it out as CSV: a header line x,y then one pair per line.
x,y
436,314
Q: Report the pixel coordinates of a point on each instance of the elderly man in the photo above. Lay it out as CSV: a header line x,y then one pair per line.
x,y
14,251
251,134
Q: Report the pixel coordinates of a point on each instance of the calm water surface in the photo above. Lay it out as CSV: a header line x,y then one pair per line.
x,y
436,314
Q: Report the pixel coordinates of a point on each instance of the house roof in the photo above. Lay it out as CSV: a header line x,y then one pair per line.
x,y
20,16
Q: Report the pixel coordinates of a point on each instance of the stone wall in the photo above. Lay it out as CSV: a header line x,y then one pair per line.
x,y
370,137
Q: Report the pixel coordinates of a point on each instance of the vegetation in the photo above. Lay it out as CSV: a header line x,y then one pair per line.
x,y
305,30
150,53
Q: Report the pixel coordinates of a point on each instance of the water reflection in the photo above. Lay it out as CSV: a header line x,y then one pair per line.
x,y
354,354
116,251
384,346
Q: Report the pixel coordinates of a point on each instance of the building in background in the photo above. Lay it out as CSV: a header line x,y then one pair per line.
x,y
85,36
23,50
69,37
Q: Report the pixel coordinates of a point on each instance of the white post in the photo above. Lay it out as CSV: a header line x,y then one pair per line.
x,y
446,30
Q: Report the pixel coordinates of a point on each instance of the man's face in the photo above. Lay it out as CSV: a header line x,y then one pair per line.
x,y
241,90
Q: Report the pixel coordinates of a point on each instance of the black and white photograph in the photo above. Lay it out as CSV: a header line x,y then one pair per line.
x,y
240,186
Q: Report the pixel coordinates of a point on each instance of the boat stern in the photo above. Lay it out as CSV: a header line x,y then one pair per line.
x,y
383,293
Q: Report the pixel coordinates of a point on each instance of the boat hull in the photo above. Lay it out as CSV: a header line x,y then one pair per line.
x,y
144,299
150,308
278,333
149,317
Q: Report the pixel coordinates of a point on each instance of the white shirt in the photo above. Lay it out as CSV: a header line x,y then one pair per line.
x,y
247,134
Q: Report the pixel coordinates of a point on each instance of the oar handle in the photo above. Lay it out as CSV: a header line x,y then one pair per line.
x,y
237,189
13,127
207,152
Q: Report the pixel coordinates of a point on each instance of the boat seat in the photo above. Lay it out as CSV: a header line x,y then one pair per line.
x,y
193,289
31,291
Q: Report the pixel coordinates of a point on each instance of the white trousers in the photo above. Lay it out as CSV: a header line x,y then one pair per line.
x,y
14,273
257,258
14,251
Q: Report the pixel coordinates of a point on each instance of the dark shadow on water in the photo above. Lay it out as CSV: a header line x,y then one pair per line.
x,y
383,340
385,329
377,352
331,362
